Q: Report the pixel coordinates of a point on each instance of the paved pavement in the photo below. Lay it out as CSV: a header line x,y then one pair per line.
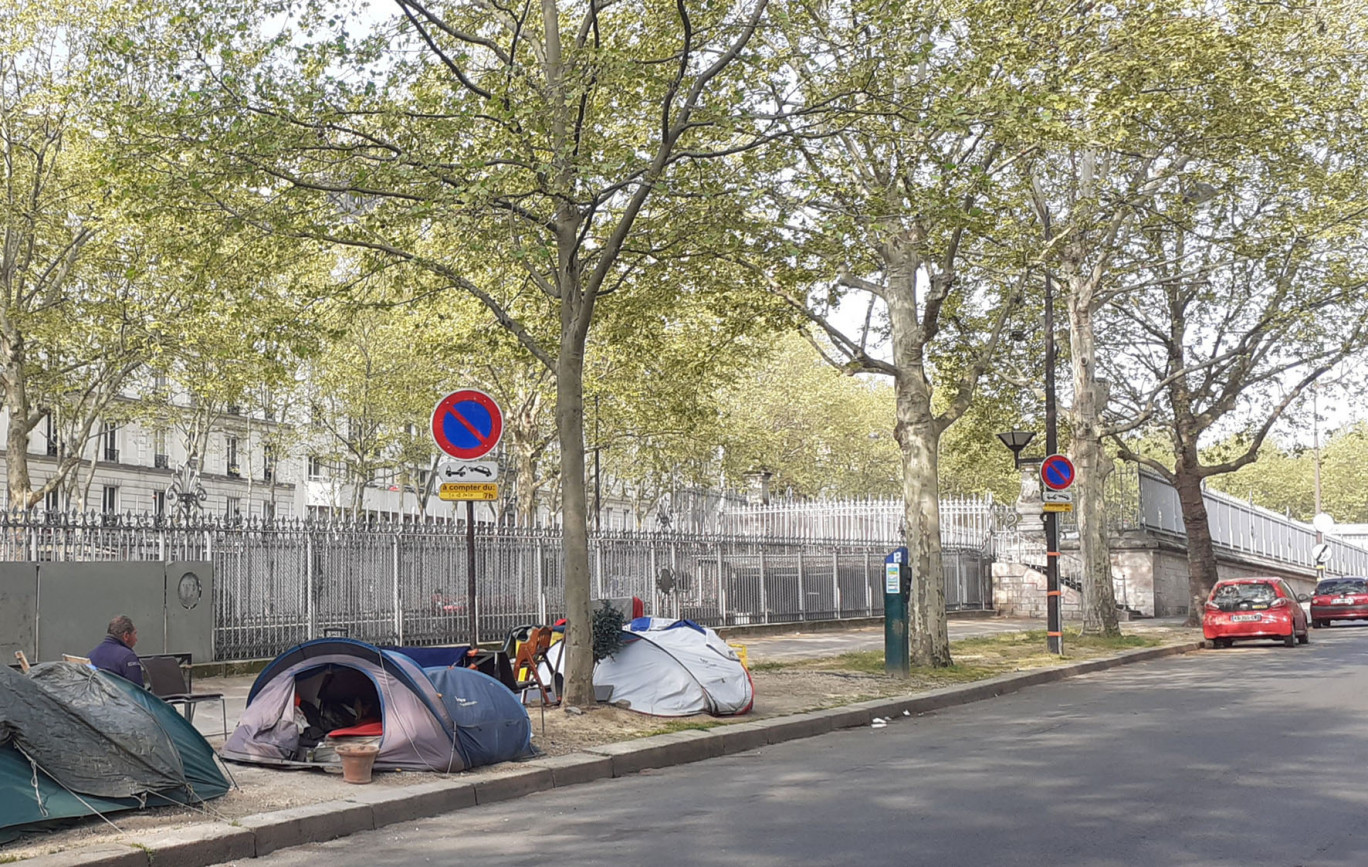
x,y
779,647
809,645
1250,756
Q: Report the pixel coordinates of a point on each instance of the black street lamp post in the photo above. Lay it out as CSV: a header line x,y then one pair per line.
x,y
1016,441
1053,623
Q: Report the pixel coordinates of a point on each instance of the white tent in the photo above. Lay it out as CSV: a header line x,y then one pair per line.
x,y
672,668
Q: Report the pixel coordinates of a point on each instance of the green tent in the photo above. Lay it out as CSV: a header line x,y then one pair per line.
x,y
76,742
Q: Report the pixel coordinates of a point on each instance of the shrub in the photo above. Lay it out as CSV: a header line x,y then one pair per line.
x,y
607,631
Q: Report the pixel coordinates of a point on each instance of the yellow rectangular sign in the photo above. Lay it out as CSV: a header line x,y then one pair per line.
x,y
1056,507
469,491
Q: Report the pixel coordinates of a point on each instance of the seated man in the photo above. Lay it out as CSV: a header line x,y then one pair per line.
x,y
115,654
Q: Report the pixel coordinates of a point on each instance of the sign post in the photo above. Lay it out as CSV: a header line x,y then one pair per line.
x,y
1057,474
466,425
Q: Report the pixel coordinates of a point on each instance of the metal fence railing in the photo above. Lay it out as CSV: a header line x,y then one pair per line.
x,y
965,522
1247,528
281,582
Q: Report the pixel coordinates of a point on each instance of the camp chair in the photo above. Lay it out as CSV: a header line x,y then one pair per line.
x,y
531,655
171,682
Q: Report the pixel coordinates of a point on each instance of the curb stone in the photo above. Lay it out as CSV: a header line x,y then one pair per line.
x,y
103,855
296,826
260,834
202,844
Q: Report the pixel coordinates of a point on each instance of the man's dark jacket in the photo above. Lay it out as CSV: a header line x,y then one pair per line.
x,y
115,657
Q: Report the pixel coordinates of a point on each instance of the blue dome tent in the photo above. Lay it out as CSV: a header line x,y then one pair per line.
x,y
322,693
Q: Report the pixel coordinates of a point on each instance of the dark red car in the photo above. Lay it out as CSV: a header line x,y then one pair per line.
x,y
1339,599
1243,608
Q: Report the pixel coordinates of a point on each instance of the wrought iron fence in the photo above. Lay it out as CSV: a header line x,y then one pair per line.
x,y
277,583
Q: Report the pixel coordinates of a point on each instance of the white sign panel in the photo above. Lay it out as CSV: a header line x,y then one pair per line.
x,y
892,578
468,471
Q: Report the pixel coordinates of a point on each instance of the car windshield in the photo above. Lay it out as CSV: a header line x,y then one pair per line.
x,y
1342,586
1244,595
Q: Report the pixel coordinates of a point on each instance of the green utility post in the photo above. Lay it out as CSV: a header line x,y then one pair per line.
x,y
897,585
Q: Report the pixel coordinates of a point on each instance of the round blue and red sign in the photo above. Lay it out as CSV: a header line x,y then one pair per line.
x,y
467,424
1057,472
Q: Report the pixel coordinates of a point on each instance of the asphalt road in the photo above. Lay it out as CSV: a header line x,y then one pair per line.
x,y
1251,756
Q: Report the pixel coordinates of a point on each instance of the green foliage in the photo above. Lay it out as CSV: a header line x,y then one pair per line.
x,y
819,431
607,629
1283,478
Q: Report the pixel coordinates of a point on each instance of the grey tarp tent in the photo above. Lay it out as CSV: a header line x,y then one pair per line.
x,y
436,719
671,668
77,742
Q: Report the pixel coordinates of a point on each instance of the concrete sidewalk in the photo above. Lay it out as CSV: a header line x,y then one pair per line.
x,y
800,642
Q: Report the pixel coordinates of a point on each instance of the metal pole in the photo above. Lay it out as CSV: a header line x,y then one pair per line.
x,y
398,601
1315,448
1053,626
541,582
598,492
836,582
311,626
470,574
764,596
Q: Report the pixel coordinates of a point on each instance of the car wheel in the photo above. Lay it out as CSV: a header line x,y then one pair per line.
x,y
1225,642
1305,637
1211,644
1316,624
1291,639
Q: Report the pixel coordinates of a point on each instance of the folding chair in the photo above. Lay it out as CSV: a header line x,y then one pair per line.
x,y
531,655
171,682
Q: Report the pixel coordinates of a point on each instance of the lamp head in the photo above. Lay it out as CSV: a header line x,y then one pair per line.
x,y
1016,440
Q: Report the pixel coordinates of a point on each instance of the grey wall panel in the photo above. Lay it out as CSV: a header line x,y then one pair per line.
x,y
190,609
77,600
18,610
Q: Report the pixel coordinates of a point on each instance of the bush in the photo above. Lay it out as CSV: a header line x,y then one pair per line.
x,y
607,631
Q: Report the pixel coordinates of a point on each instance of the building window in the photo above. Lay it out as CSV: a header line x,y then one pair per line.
x,y
54,500
268,511
233,507
231,446
315,467
51,432
159,504
268,463
109,433
110,502
160,456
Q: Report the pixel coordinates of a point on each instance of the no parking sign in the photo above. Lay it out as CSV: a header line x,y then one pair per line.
x,y
467,424
1057,472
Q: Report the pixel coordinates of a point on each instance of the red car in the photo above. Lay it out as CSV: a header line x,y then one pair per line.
x,y
1339,599
1244,608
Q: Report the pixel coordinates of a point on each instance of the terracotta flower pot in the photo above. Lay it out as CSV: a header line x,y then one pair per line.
x,y
357,760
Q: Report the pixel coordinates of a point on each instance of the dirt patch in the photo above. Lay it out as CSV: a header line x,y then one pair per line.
x,y
780,690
